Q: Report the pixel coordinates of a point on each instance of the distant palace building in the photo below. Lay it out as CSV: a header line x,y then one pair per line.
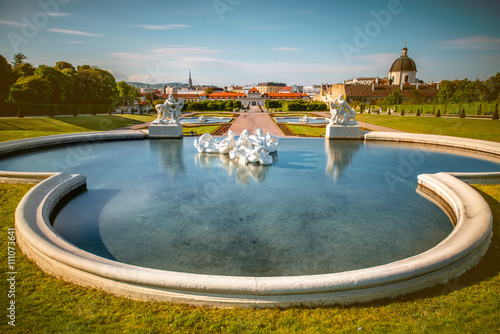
x,y
254,97
402,76
248,95
270,87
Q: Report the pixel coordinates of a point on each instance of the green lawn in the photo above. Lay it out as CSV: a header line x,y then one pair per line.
x,y
19,128
44,304
308,131
485,129
186,130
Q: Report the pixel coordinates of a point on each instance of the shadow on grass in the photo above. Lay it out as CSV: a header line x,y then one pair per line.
x,y
99,122
10,125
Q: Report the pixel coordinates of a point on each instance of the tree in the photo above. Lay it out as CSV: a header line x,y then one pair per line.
x,y
394,98
19,59
94,86
209,90
492,85
6,78
62,85
23,70
31,89
62,65
126,93
465,91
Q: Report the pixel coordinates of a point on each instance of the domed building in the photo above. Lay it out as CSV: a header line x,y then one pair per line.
x,y
403,70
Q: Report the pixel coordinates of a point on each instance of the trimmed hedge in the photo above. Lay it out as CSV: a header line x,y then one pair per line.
x,y
9,109
472,109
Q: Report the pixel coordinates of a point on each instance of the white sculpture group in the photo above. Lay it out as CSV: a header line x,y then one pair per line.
x,y
169,112
304,119
341,112
248,148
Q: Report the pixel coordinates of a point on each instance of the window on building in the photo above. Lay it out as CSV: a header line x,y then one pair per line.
x,y
406,78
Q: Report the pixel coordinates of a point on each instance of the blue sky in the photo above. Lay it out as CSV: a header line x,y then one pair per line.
x,y
245,42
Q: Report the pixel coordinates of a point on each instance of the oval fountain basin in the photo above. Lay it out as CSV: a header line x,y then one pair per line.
x,y
322,207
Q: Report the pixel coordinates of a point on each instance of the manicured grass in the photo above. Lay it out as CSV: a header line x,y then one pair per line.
x,y
45,304
308,131
186,130
19,128
485,129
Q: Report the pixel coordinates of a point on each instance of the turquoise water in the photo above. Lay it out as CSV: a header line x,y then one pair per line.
x,y
322,207
296,120
208,120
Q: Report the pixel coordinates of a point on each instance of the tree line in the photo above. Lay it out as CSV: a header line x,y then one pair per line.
x,y
465,91
20,82
299,105
457,91
208,105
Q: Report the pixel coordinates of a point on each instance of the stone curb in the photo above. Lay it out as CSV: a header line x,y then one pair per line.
x,y
461,250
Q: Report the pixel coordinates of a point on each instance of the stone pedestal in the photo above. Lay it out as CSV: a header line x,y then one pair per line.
x,y
165,130
339,131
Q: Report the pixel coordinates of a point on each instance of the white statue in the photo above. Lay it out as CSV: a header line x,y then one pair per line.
x,y
169,112
271,143
304,119
207,144
249,148
202,119
340,108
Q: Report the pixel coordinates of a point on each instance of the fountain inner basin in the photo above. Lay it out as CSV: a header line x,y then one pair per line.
x,y
318,209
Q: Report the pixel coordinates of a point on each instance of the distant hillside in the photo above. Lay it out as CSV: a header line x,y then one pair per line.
x,y
160,85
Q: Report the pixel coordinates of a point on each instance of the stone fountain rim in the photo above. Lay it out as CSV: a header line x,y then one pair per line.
x,y
460,251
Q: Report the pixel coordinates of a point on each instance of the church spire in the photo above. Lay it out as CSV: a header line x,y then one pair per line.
x,y
190,82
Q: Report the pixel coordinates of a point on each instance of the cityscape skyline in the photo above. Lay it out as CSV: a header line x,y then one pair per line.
x,y
225,42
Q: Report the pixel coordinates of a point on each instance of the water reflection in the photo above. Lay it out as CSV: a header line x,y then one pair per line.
x,y
244,173
170,155
340,155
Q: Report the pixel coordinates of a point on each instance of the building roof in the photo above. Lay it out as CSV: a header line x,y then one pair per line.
x,y
382,91
285,95
254,90
403,63
178,96
224,95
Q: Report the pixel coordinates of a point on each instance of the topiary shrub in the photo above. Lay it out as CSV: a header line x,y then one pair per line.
x,y
438,114
418,112
495,114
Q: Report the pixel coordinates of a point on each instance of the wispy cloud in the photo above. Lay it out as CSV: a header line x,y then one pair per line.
x,y
472,43
286,48
167,52
163,27
12,23
377,59
59,14
73,32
